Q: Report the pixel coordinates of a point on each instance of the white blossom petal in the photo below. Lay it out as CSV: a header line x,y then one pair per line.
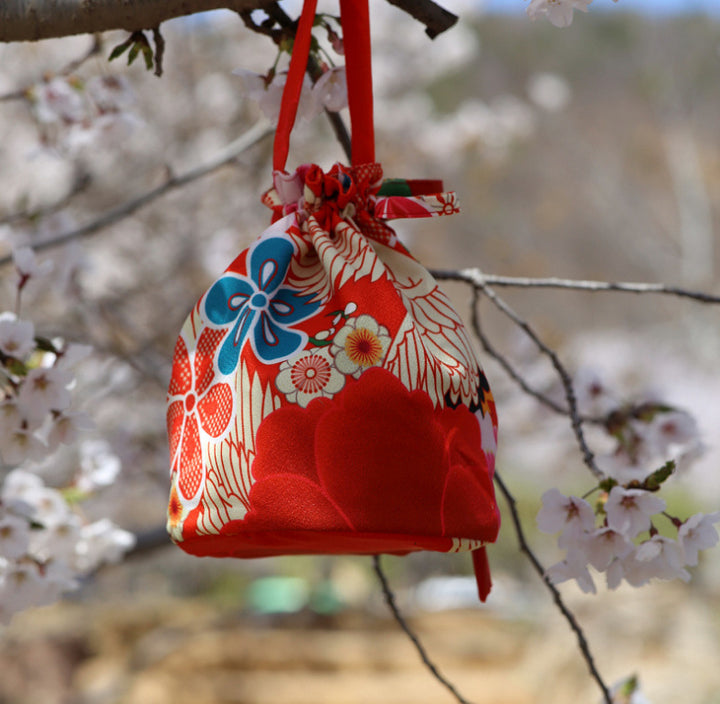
x,y
17,337
698,533
629,510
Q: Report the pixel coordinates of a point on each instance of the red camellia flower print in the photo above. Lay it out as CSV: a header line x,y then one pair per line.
x,y
194,402
376,458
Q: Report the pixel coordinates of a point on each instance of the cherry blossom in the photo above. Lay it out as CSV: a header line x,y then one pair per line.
x,y
105,131
14,536
268,95
17,337
110,92
621,467
603,545
574,566
18,483
665,555
592,394
571,515
59,537
698,533
629,510
22,585
50,508
28,266
71,354
20,445
99,466
635,572
57,101
43,390
336,41
10,416
670,429
38,565
330,90
549,92
66,426
559,12
101,541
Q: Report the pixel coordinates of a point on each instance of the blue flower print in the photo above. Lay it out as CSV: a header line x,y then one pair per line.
x,y
259,307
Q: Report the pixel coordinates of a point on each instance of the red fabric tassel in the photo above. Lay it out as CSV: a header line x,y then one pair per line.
x,y
482,573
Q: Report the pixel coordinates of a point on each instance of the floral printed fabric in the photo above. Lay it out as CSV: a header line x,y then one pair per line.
x,y
258,307
325,396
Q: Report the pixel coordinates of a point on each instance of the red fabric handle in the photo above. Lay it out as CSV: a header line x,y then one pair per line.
x,y
293,85
356,38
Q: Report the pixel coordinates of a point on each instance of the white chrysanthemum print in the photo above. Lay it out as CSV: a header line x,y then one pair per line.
x,y
309,375
361,343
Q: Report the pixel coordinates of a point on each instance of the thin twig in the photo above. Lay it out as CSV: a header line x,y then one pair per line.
x,y
557,598
500,359
80,183
390,600
74,65
94,50
575,420
255,134
478,277
159,50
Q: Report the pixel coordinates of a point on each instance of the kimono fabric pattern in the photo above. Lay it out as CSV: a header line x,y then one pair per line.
x,y
325,396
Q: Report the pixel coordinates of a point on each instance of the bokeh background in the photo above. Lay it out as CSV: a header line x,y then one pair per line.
x,y
589,153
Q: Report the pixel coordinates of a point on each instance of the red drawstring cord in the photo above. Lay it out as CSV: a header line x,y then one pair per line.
x,y
356,38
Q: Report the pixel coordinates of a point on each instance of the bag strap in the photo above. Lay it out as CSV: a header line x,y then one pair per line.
x,y
355,19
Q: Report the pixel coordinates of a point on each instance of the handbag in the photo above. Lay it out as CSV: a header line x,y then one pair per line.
x,y
325,397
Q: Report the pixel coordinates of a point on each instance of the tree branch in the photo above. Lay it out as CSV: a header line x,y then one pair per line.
x,y
30,20
229,154
95,48
557,598
509,369
81,182
480,278
575,420
435,18
392,605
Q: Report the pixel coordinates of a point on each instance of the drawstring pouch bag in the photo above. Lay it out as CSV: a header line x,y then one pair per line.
x,y
325,397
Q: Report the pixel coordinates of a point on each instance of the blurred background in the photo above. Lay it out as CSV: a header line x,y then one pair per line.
x,y
585,153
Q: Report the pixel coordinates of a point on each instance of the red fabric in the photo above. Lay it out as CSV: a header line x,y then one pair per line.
x,y
356,22
375,458
356,38
325,396
482,573
293,85
308,542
